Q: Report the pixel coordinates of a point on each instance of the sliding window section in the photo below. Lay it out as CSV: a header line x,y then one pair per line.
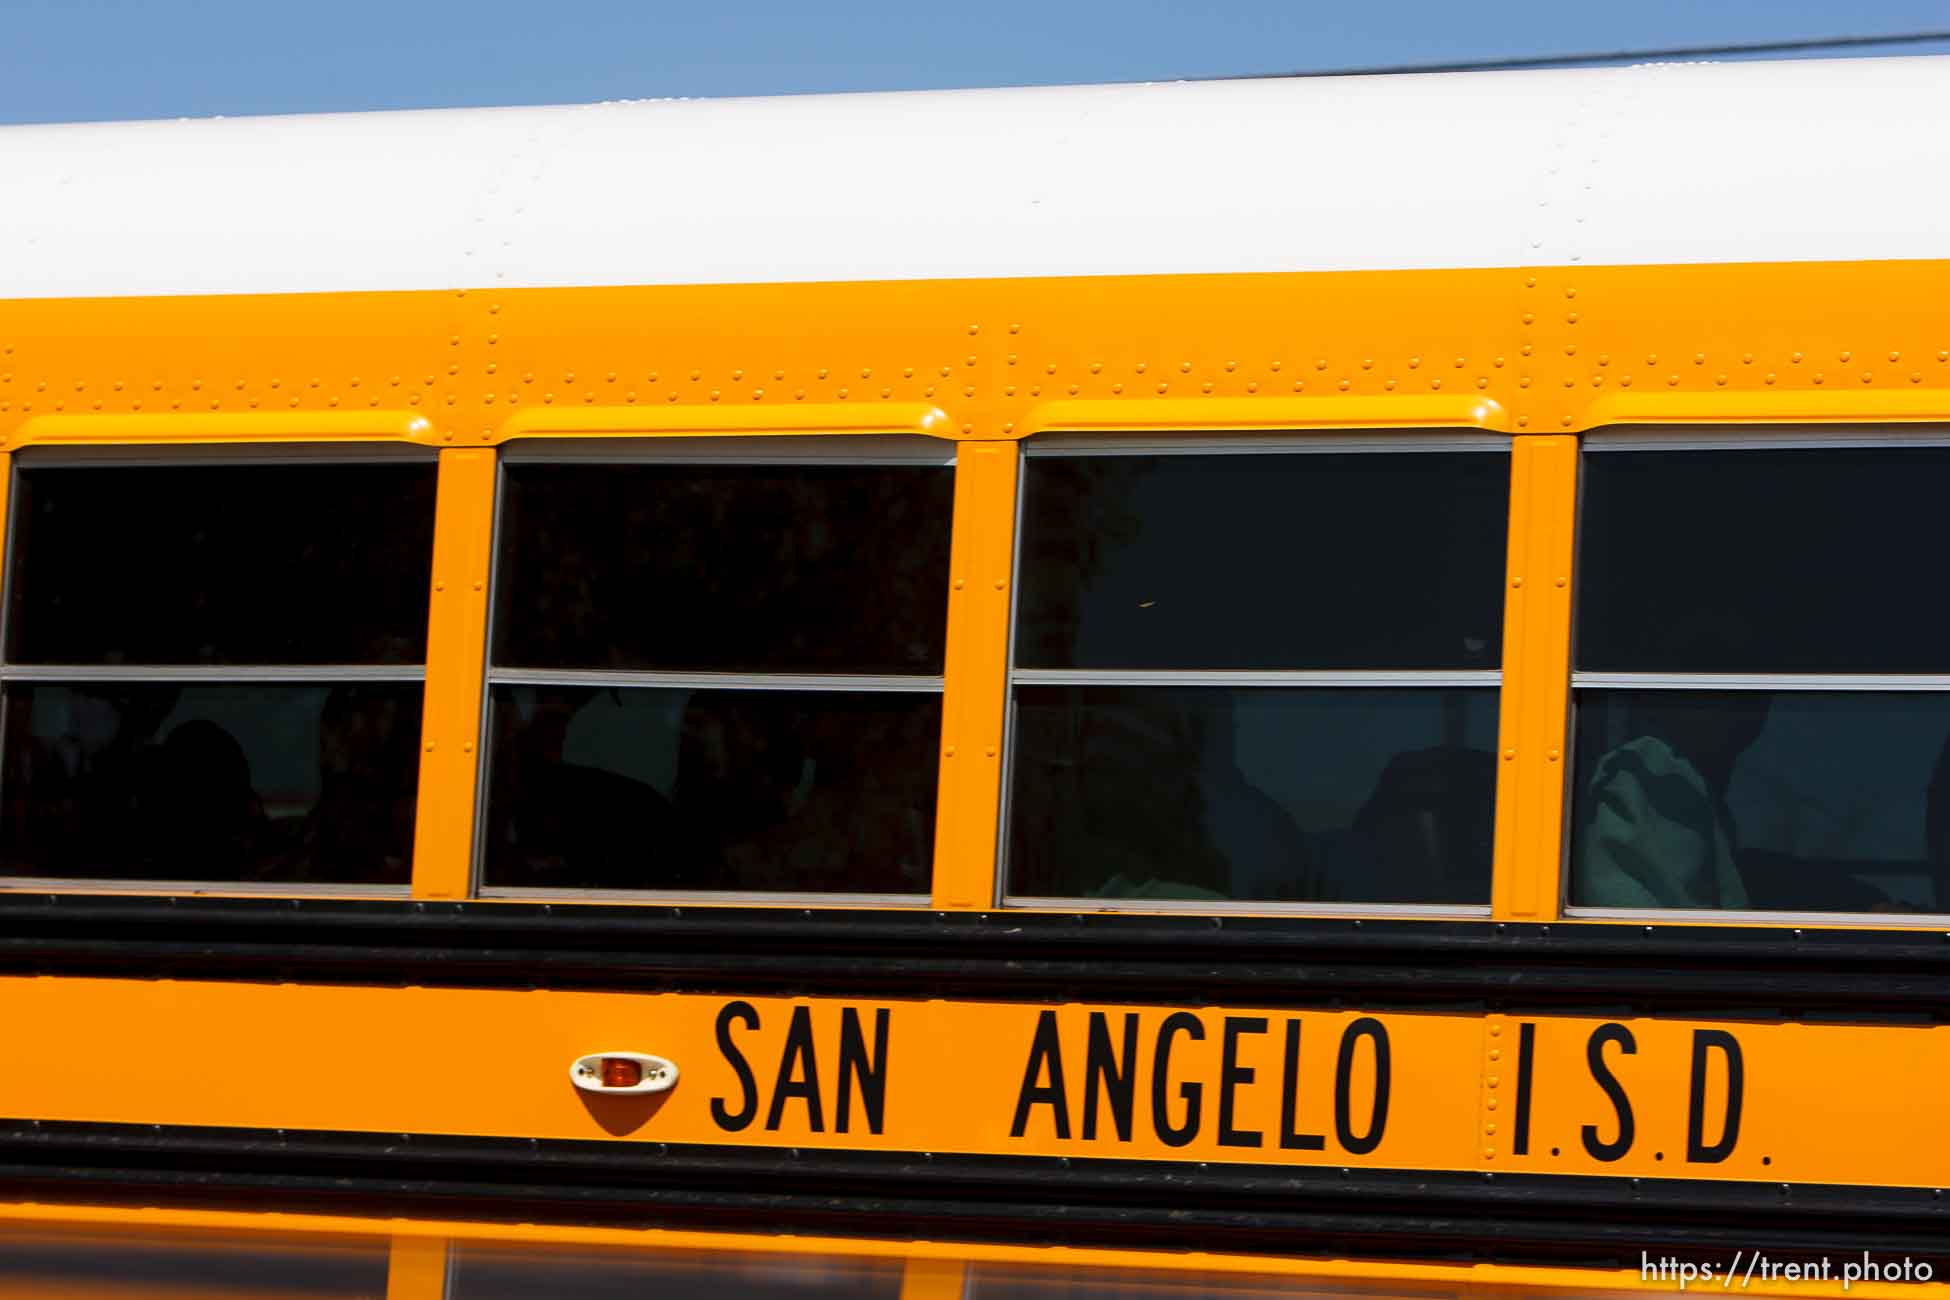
x,y
213,670
1762,679
1258,674
716,670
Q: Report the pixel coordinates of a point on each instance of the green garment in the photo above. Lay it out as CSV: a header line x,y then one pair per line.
x,y
1654,835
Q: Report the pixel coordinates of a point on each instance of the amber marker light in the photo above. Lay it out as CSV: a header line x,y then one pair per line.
x,y
621,1072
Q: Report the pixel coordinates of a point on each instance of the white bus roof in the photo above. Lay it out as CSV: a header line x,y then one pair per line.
x,y
1681,163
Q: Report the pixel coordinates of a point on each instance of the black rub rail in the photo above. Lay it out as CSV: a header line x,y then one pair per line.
x,y
1890,976
1034,1200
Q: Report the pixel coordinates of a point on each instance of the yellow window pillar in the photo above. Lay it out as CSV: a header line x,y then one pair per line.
x,y
1532,728
975,696
457,624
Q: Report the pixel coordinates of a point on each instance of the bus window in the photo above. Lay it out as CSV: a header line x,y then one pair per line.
x,y
1263,675
718,675
131,1261
521,1272
1762,691
209,677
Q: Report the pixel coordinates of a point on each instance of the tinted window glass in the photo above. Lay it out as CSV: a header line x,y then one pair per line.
x,y
1816,801
1019,1282
725,568
504,1273
1345,795
1796,560
221,564
130,1263
236,782
655,788
1317,560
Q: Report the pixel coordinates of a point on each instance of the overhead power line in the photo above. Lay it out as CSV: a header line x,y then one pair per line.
x,y
1622,56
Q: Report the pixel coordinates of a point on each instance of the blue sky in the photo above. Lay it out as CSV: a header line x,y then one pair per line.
x,y
66,60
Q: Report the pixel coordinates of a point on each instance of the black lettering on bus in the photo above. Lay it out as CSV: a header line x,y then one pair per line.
x,y
854,1067
798,1074
1116,1075
1594,1055
1045,1054
1526,1052
1377,1034
1290,1097
1697,1150
1231,1075
1174,1135
728,1120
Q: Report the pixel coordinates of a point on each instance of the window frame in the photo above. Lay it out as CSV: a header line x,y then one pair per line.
x,y
1628,439
864,450
158,455
1070,445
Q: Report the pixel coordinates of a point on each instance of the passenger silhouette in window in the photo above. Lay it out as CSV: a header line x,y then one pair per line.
x,y
107,741
559,824
1657,832
1123,811
82,769
743,774
1430,824
204,814
1136,794
36,796
361,826
809,791
1266,854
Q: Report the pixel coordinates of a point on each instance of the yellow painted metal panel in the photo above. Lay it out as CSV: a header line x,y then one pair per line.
x,y
996,358
1252,1086
725,421
1534,710
1762,342
1918,405
212,427
319,355
481,363
974,704
457,626
1222,414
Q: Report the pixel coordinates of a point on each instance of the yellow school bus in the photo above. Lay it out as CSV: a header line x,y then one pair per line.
x,y
1325,683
